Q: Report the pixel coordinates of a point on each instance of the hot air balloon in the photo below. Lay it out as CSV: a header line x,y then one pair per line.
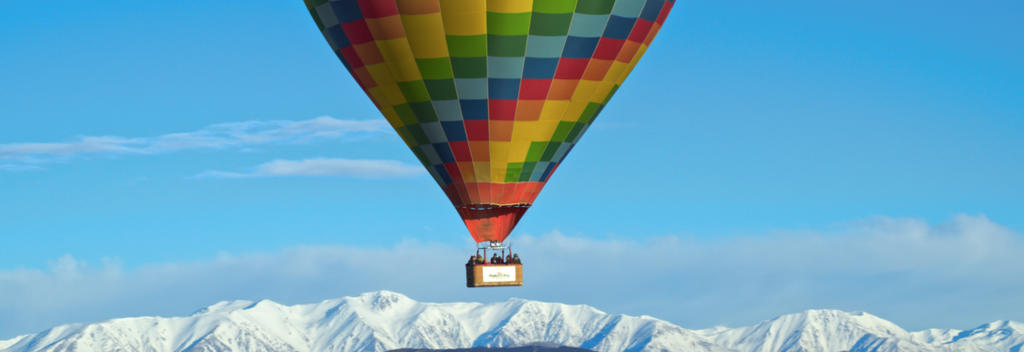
x,y
490,94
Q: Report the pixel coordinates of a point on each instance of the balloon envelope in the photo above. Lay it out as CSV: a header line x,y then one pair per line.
x,y
490,94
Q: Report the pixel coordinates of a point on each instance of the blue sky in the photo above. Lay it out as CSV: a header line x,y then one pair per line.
x,y
126,128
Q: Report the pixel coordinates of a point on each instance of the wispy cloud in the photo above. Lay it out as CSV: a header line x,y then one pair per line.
x,y
217,136
325,167
19,167
955,274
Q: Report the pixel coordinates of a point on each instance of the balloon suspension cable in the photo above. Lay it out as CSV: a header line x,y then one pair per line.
x,y
494,246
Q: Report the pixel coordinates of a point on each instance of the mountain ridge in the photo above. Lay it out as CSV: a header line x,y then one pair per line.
x,y
385,320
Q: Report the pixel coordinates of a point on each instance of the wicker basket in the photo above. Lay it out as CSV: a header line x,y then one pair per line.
x,y
494,275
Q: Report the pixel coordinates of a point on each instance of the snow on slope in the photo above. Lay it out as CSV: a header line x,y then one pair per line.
x,y
934,336
376,321
381,321
812,330
872,343
8,343
995,336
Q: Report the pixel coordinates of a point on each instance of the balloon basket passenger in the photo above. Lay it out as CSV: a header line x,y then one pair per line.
x,y
502,268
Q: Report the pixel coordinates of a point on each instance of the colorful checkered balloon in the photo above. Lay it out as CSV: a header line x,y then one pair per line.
x,y
490,94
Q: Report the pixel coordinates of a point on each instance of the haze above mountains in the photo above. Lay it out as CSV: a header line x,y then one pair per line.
x,y
383,320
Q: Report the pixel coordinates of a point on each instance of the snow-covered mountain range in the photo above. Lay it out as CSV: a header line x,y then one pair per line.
x,y
381,321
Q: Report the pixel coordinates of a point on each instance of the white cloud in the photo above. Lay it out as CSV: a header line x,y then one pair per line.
x,y
953,275
19,167
326,167
218,136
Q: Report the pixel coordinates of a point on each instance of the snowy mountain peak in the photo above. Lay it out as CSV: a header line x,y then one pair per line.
x,y
934,336
810,330
832,316
383,295
263,304
224,306
1003,334
385,300
999,327
385,320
